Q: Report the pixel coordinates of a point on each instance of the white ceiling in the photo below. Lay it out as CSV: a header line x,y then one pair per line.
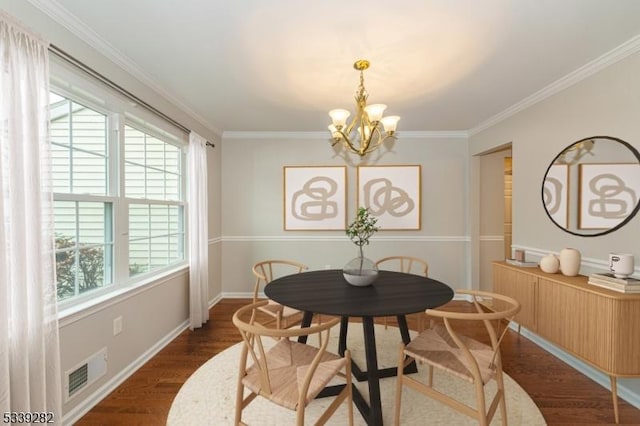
x,y
280,65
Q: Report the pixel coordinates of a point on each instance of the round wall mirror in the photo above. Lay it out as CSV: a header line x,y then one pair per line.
x,y
592,187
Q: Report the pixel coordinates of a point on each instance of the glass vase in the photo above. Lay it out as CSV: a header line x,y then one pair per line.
x,y
360,271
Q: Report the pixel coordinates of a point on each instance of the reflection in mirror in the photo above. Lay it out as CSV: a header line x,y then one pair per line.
x,y
592,187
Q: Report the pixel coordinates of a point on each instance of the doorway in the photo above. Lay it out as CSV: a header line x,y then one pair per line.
x,y
507,190
495,211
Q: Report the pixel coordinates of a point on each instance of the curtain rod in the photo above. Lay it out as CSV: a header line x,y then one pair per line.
x,y
95,74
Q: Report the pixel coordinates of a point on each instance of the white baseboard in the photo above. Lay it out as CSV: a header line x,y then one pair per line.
x,y
92,400
215,300
587,264
594,374
239,295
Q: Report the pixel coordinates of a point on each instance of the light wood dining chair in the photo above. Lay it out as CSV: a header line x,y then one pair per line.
x,y
444,348
289,374
265,271
409,265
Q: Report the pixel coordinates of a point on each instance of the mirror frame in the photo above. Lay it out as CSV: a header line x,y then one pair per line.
x,y
631,215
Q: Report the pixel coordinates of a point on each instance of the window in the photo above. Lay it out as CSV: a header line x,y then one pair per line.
x,y
118,198
156,226
83,231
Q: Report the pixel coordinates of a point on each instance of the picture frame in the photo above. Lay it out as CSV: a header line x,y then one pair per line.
x,y
315,198
392,194
608,193
555,193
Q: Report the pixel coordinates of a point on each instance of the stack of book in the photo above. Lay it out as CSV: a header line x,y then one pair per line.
x,y
623,285
522,263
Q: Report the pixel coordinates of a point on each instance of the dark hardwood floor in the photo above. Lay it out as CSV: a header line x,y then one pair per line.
x,y
564,396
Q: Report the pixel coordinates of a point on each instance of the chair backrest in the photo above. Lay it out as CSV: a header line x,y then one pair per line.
x,y
266,270
254,335
408,264
508,308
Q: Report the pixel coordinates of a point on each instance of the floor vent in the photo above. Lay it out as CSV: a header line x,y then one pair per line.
x,y
85,373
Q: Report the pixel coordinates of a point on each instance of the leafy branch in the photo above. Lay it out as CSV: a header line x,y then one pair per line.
x,y
362,228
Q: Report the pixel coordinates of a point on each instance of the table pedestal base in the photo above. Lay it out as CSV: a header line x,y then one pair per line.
x,y
371,411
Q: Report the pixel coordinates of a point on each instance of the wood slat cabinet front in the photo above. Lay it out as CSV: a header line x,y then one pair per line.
x,y
579,321
521,287
599,326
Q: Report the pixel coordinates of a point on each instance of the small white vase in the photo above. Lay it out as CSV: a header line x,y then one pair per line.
x,y
550,264
570,262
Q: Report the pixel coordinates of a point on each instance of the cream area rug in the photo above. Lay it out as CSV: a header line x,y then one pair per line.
x,y
208,396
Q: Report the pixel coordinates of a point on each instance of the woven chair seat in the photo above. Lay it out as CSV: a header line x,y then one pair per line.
x,y
435,346
444,348
288,363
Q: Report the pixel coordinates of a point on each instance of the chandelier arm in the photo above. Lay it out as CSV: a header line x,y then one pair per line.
x,y
351,125
364,144
345,139
379,139
379,143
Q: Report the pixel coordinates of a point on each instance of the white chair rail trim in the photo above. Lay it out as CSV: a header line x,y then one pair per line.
x,y
343,238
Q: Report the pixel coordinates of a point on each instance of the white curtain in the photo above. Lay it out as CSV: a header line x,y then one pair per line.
x,y
198,232
29,345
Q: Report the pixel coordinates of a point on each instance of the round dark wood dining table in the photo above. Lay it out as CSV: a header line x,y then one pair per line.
x,y
392,294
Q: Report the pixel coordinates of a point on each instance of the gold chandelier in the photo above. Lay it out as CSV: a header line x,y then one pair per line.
x,y
363,134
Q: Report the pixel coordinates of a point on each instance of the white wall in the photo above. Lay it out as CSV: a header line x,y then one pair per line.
x,y
605,104
150,319
252,222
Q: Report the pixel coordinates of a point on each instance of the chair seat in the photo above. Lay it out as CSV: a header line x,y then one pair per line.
x,y
272,308
435,346
288,362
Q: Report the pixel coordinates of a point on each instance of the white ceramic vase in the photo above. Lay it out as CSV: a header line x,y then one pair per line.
x,y
570,262
550,264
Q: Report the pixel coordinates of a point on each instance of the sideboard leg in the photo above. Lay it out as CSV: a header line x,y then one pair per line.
x,y
614,395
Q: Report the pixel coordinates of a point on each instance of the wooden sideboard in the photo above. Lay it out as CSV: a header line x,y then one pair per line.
x,y
599,326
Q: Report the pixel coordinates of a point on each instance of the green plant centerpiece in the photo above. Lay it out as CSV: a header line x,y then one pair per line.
x,y
361,271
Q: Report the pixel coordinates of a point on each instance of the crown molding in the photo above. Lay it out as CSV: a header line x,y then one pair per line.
x,y
275,135
436,134
69,21
62,16
626,49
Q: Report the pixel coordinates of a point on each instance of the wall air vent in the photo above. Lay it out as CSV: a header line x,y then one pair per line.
x,y
85,373
78,378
